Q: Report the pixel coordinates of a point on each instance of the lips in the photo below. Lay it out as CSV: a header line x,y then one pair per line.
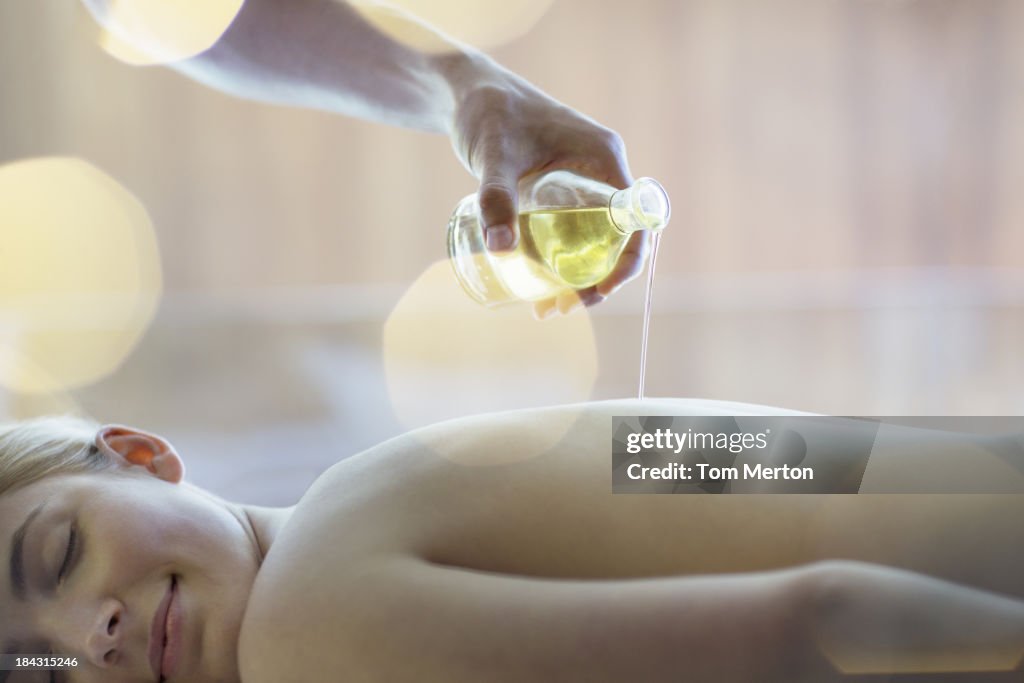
x,y
158,630
172,634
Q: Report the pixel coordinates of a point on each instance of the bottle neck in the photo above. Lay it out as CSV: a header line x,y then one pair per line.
x,y
642,206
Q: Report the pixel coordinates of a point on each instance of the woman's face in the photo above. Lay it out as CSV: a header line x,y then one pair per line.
x,y
135,535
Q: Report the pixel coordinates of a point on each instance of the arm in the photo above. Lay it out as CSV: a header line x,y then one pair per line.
x,y
324,54
411,620
871,619
375,62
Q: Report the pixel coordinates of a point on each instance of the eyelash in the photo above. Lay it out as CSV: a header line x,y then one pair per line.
x,y
72,543
68,555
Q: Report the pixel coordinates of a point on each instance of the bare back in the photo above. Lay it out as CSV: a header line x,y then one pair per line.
x,y
529,493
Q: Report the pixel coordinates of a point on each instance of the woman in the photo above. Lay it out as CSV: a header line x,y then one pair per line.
x,y
492,549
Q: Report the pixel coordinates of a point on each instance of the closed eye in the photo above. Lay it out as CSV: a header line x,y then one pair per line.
x,y
72,543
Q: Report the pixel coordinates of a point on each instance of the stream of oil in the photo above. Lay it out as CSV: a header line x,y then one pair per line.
x,y
647,311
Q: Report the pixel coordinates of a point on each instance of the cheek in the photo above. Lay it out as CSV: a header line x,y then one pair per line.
x,y
184,531
216,546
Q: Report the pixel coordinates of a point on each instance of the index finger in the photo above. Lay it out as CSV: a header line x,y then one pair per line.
x,y
613,162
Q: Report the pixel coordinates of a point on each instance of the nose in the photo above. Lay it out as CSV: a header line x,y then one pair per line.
x,y
103,636
94,632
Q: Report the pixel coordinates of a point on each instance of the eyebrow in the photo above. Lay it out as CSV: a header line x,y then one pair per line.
x,y
17,568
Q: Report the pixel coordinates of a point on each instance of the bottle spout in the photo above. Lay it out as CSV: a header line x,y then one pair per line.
x,y
642,206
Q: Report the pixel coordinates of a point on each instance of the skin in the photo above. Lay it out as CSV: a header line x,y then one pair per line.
x,y
136,526
480,549
491,548
475,552
375,62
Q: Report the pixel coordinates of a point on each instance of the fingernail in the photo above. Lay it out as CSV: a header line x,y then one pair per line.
x,y
567,305
499,237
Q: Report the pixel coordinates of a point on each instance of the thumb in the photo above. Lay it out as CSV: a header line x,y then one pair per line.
x,y
498,198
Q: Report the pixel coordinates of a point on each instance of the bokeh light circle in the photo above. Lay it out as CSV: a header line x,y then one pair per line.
x,y
80,276
446,356
481,24
144,32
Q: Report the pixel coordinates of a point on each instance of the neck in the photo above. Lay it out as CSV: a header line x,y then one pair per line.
x,y
263,523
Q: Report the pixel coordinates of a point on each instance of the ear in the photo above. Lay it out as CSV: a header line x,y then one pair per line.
x,y
129,447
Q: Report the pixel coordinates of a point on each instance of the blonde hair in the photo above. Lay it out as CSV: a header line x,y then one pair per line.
x,y
33,449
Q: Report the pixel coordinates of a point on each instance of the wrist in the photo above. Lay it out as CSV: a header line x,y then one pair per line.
x,y
471,77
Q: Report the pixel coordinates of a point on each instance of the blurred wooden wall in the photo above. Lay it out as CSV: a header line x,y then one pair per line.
x,y
791,134
846,236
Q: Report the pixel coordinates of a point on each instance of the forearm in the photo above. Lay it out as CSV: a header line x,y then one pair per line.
x,y
432,623
372,62
406,619
376,62
818,623
869,619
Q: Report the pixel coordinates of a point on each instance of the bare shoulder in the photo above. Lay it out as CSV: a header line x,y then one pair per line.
x,y
301,622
